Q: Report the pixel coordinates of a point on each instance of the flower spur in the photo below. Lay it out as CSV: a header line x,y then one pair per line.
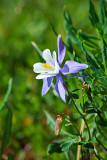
x,y
52,69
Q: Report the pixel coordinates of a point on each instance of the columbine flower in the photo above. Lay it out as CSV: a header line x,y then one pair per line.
x,y
58,124
52,69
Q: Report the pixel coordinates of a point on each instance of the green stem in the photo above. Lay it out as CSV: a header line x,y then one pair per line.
x,y
82,117
100,143
76,106
83,101
77,130
83,105
78,111
79,148
97,154
87,128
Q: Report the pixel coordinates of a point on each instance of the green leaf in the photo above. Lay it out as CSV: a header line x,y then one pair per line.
x,y
71,31
67,119
105,113
54,147
38,50
82,142
7,130
53,28
97,155
50,120
67,142
103,80
75,90
105,31
65,146
100,143
92,46
102,123
69,47
89,40
97,71
102,12
101,132
67,124
89,145
88,91
93,57
7,94
67,16
91,110
75,96
104,54
86,144
93,15
86,36
10,156
73,38
103,98
69,139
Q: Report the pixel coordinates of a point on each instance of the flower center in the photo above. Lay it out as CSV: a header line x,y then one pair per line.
x,y
48,66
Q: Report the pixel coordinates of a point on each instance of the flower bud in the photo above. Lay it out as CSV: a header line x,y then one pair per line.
x,y
58,124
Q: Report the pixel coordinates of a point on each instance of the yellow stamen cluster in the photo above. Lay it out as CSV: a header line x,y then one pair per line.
x,y
48,66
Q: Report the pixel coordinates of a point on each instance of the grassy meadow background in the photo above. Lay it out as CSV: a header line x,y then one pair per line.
x,y
23,21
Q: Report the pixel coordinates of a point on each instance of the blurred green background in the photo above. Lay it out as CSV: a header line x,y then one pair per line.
x,y
23,21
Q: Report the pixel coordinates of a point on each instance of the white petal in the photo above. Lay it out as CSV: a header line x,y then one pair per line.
x,y
42,76
57,68
37,68
47,56
54,56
